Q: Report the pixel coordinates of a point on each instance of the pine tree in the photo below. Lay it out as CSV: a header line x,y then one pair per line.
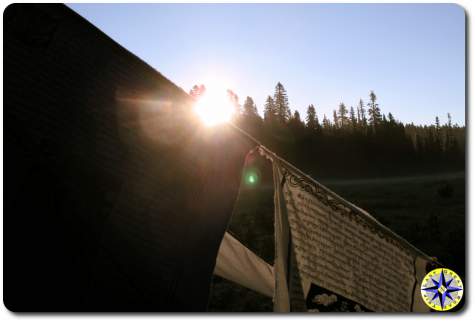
x,y
353,119
335,119
342,115
269,110
296,116
311,117
449,140
438,136
249,107
295,121
391,118
373,111
449,120
361,113
326,122
281,102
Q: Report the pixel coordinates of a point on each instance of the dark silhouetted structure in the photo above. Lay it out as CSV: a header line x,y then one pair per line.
x,y
116,198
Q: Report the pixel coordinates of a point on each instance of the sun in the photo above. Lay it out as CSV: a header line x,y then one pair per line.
x,y
214,106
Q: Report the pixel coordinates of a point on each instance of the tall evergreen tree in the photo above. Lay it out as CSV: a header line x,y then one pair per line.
x,y
353,119
326,123
373,110
449,141
281,102
249,107
361,113
311,117
391,118
269,110
335,119
342,115
297,116
438,135
295,122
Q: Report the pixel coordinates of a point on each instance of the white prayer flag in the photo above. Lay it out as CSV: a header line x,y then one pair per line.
x,y
329,252
235,262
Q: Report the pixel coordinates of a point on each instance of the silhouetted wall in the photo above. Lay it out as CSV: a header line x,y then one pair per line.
x,y
115,197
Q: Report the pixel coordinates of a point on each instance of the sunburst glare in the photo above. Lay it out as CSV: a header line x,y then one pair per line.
x,y
214,106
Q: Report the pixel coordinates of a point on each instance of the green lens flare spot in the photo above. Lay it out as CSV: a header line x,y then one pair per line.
x,y
251,178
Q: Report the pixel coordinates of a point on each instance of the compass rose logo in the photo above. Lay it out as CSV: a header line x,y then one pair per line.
x,y
442,289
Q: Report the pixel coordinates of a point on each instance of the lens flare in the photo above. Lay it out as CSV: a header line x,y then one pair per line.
x,y
251,177
214,107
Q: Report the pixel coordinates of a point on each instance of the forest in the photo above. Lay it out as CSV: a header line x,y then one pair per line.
x,y
361,141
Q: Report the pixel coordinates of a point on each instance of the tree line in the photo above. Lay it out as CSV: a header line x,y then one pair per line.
x,y
354,141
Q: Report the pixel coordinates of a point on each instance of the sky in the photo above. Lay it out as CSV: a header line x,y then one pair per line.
x,y
411,55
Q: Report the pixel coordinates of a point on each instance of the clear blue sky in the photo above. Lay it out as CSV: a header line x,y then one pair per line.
x,y
411,55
